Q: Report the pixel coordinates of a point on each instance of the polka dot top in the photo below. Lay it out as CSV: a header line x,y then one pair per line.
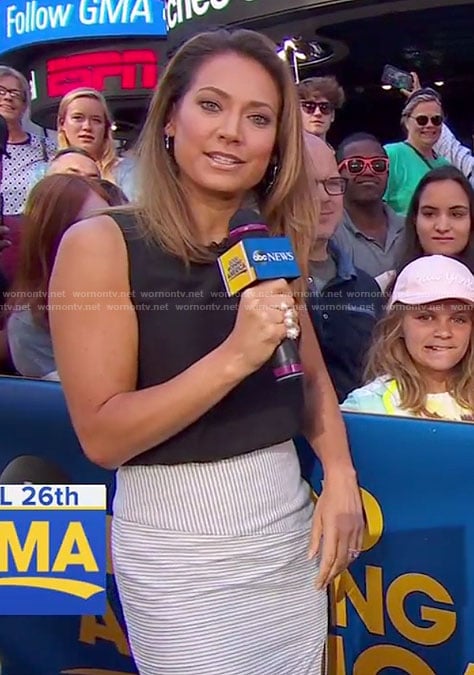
x,y
18,168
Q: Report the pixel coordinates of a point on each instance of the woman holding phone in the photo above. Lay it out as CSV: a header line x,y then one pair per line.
x,y
422,119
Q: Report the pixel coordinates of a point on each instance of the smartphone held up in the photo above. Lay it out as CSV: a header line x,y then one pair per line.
x,y
399,79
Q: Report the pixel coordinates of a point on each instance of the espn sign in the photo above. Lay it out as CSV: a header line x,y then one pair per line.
x,y
108,71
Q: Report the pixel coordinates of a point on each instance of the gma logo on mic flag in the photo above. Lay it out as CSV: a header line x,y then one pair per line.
x,y
53,550
259,259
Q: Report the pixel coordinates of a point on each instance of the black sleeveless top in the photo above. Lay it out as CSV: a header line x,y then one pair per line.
x,y
183,314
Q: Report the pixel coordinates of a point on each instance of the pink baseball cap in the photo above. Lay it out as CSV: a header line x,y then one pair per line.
x,y
432,278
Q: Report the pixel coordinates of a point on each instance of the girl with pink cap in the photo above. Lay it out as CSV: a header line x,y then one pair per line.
x,y
421,363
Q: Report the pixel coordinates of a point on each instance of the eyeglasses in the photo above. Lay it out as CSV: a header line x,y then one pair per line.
x,y
310,107
14,93
357,165
334,186
422,120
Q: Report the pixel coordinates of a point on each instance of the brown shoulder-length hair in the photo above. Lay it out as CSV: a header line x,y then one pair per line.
x,y
411,246
290,206
389,356
53,205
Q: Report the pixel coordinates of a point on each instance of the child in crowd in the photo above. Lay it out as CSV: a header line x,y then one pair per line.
x,y
422,361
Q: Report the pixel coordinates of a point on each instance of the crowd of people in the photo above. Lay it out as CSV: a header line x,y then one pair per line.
x,y
183,403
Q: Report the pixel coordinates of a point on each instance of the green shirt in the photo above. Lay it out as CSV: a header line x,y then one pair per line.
x,y
407,168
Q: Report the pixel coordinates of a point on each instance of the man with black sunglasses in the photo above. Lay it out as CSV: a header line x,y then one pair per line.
x,y
320,97
370,231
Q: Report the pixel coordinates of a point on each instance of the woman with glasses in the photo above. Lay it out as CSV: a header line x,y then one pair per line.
x,y
319,99
25,152
24,149
410,160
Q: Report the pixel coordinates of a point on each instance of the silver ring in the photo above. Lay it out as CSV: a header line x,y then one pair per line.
x,y
290,318
353,553
292,332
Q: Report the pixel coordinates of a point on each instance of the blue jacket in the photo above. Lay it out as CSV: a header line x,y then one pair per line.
x,y
344,315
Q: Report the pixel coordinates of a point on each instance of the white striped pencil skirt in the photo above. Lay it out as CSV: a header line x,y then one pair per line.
x,y
211,563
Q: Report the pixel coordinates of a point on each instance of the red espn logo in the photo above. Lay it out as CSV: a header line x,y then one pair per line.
x,y
136,68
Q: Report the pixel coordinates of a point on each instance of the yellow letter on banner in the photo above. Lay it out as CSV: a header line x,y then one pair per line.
x,y
374,518
370,608
336,658
110,630
36,540
75,537
443,621
376,659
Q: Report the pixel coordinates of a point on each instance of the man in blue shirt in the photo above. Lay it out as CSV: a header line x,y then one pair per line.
x,y
344,302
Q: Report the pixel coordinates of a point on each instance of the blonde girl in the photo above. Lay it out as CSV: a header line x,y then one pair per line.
x,y
422,361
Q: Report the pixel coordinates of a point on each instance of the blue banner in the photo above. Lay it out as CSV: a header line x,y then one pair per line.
x,y
407,604
52,549
24,23
34,421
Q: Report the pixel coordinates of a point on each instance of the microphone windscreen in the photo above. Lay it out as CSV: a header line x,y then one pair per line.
x,y
35,470
244,217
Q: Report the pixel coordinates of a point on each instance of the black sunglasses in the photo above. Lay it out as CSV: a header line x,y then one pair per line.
x,y
422,120
310,107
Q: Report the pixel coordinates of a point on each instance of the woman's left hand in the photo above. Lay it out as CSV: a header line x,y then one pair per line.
x,y
338,526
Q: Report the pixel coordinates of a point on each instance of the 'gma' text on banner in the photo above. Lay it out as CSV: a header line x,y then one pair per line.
x,y
28,22
53,557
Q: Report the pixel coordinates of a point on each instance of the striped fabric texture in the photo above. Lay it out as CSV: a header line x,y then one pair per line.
x,y
212,569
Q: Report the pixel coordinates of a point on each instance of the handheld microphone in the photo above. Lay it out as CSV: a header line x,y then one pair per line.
x,y
34,470
254,256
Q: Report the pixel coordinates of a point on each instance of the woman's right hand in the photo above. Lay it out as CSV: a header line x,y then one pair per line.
x,y
260,325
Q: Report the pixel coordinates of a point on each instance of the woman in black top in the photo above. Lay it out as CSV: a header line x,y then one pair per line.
x,y
170,381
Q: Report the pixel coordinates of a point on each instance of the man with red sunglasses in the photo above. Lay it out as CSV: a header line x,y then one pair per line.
x,y
371,231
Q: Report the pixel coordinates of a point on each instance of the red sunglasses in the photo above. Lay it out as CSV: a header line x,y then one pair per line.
x,y
357,165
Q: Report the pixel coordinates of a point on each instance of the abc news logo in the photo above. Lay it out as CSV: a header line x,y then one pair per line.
x,y
278,256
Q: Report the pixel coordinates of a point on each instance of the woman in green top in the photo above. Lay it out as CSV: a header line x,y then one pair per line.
x,y
410,160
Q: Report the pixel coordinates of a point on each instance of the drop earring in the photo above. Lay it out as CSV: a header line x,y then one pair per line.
x,y
272,178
